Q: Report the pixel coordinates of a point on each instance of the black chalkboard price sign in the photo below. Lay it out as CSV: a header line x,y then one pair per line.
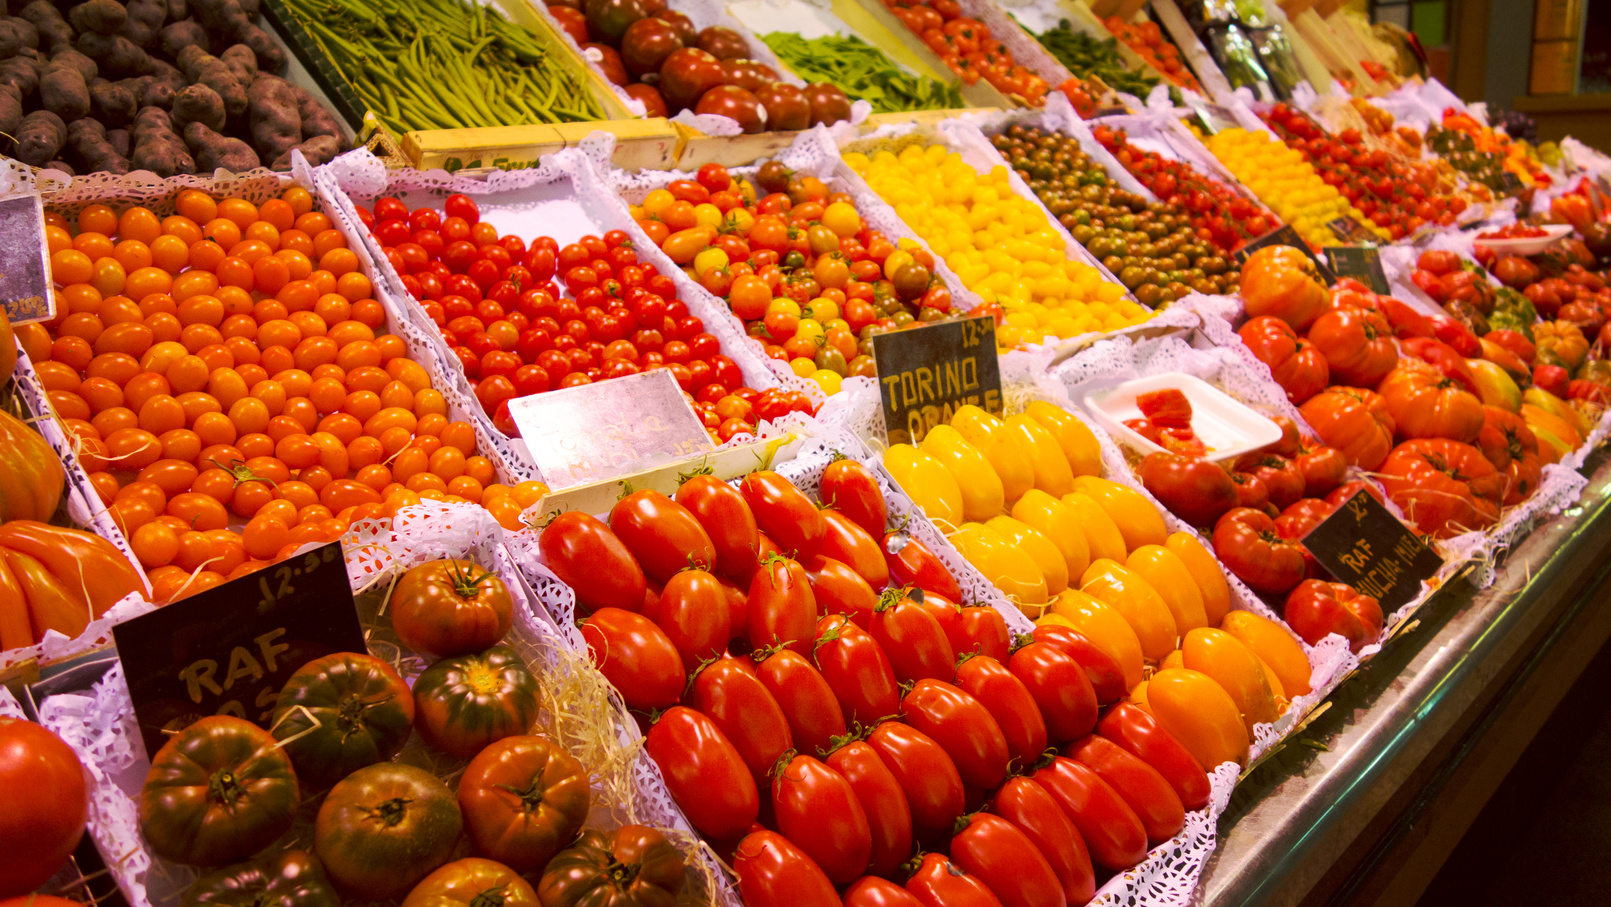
x,y
24,260
925,374
1364,545
1284,235
1350,231
1362,263
229,650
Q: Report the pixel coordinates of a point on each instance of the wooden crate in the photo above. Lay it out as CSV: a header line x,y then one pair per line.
x,y
653,144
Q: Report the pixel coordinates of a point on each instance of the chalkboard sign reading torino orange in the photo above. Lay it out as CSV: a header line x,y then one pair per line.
x,y
926,374
1365,546
229,650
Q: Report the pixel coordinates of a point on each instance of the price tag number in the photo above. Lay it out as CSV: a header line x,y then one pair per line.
x,y
278,587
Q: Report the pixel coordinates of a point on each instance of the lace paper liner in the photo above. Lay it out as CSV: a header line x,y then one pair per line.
x,y
142,187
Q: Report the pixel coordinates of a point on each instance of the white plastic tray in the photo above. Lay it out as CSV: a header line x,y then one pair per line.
x,y
1228,427
1527,245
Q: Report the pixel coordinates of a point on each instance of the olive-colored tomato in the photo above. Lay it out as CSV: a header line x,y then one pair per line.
x,y
723,43
1111,829
773,872
294,878
610,18
633,865
962,726
587,557
1144,790
523,799
218,791
926,774
383,828
817,809
463,704
1032,810
704,773
43,820
809,703
340,713
938,882
692,612
1009,702
472,882
782,609
636,656
786,515
450,607
727,520
1001,856
856,668
828,104
889,819
787,108
661,533
728,692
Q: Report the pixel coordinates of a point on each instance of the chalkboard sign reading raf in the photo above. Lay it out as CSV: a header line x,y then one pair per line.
x,y
1364,545
24,263
1362,263
229,650
926,374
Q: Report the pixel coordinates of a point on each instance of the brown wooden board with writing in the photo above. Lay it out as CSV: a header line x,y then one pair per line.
x,y
1364,545
1362,263
926,374
1284,235
229,649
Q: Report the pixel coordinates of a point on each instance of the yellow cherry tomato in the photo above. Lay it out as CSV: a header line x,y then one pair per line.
x,y
1137,519
1102,535
1053,474
1275,646
1236,669
1039,548
1079,444
1126,592
926,481
830,381
894,261
1104,627
1205,570
1200,714
1166,572
842,219
711,259
1008,568
981,487
1055,521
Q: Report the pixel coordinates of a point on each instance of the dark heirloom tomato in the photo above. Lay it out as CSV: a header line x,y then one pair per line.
x,y
704,773
817,809
1008,701
926,774
748,74
839,589
465,703
524,798
785,514
728,692
845,540
1032,810
340,713
218,791
848,486
633,866
805,697
1103,670
727,519
782,609
1247,541
46,805
787,108
688,73
1110,828
1139,734
1060,687
1007,861
888,817
450,607
723,43
911,638
962,726
983,631
294,878
1194,489
587,556
472,882
828,104
773,872
636,657
654,104
661,533
911,563
736,104
872,891
610,18
692,612
856,669
383,828
938,882
1144,790
609,62
646,44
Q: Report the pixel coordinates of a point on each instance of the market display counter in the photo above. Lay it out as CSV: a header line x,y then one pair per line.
x,y
1365,805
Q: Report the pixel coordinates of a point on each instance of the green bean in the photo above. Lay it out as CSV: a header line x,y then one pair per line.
x,y
1086,56
862,72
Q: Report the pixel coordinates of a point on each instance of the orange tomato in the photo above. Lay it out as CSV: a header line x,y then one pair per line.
x,y
1199,713
1104,626
1236,669
1275,646
1142,607
1205,571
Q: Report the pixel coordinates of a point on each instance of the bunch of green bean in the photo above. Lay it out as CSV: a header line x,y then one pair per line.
x,y
1087,56
862,72
444,64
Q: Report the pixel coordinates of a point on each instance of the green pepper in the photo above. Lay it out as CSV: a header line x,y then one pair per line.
x,y
293,879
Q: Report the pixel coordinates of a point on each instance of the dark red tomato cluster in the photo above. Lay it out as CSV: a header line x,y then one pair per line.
x,y
1395,194
775,637
525,319
656,56
1220,214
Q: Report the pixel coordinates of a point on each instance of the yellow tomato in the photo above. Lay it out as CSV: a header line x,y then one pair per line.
x,y
1079,444
1102,535
1010,569
1039,548
1166,572
711,259
1138,521
1055,521
1200,714
1236,669
1175,659
1104,627
657,201
979,484
894,261
1282,700
842,219
1053,474
1205,570
1138,698
1275,646
926,481
1141,605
